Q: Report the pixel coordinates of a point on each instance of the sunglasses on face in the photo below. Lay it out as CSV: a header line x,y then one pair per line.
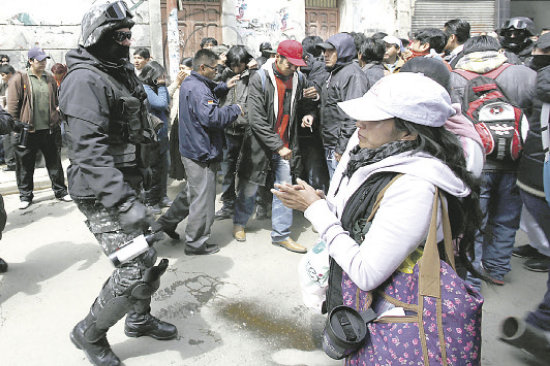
x,y
210,67
120,36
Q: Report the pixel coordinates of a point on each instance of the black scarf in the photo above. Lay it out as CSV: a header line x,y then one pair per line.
x,y
280,76
362,157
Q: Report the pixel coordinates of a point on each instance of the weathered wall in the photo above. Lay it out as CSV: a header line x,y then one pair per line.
x,y
370,16
55,27
251,22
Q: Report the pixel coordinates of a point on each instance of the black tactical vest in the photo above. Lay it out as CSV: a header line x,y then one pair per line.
x,y
130,125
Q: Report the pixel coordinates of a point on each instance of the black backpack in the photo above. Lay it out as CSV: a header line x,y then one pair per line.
x,y
496,119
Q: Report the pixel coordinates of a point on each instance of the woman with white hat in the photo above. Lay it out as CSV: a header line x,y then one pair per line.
x,y
402,158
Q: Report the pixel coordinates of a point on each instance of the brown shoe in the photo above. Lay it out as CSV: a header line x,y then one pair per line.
x,y
238,233
291,245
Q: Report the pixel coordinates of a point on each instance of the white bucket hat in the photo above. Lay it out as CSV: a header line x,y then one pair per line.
x,y
409,96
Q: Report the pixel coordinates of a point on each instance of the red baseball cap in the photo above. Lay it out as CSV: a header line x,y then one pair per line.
x,y
292,50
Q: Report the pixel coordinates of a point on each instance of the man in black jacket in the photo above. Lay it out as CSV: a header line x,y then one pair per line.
x,y
104,107
346,81
271,140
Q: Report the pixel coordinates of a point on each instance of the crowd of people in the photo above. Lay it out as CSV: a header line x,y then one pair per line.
x,y
379,140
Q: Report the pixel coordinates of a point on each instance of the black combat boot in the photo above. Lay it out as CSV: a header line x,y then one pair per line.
x,y
145,324
94,344
3,266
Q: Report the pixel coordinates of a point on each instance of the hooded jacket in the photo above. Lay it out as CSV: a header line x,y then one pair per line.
x,y
346,81
531,163
260,140
517,82
401,223
89,106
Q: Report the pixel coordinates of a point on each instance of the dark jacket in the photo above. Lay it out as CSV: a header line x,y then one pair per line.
x,y
374,71
6,122
20,99
346,81
260,140
103,163
202,120
315,72
316,76
517,82
530,172
238,95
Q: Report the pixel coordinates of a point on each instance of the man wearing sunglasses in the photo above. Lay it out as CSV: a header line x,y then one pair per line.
x,y
201,124
104,106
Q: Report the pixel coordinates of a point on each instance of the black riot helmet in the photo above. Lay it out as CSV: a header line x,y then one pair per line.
x,y
519,23
104,18
515,33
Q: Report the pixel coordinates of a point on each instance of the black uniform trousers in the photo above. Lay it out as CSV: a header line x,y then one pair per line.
x,y
50,145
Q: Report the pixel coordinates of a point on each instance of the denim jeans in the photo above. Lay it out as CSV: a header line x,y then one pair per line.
x,y
501,207
331,161
281,216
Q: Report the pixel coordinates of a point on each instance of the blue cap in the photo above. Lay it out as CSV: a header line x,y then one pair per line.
x,y
37,53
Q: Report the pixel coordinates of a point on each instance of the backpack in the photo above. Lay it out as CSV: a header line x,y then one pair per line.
x,y
496,119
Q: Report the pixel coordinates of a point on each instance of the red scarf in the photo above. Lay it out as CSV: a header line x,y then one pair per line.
x,y
283,116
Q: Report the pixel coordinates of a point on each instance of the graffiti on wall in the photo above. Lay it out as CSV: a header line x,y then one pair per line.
x,y
264,21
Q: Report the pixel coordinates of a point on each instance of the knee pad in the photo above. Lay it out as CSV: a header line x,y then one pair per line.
x,y
151,281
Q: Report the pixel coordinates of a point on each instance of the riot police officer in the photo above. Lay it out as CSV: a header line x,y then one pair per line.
x,y
515,39
104,107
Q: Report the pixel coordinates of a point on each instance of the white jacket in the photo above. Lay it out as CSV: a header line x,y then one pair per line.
x,y
401,223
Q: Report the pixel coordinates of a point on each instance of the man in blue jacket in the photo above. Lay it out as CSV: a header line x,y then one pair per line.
x,y
201,126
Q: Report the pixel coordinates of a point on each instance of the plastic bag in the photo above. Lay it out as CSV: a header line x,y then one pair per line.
x,y
313,274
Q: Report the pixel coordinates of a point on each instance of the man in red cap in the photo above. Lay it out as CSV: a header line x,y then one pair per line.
x,y
271,140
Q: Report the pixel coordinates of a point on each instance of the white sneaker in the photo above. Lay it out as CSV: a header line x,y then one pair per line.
x,y
24,204
66,198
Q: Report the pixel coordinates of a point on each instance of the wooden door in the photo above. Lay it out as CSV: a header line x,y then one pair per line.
x,y
322,22
196,20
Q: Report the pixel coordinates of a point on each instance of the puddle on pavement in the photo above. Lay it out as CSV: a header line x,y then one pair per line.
x,y
191,294
284,332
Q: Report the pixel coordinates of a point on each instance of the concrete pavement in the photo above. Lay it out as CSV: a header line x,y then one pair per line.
x,y
241,306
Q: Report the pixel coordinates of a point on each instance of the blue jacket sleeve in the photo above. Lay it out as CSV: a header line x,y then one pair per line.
x,y
221,90
211,115
160,101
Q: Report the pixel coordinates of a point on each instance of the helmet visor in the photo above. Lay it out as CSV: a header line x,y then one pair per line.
x,y
117,11
516,23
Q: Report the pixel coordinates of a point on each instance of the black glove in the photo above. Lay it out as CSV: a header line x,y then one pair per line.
x,y
134,217
18,126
